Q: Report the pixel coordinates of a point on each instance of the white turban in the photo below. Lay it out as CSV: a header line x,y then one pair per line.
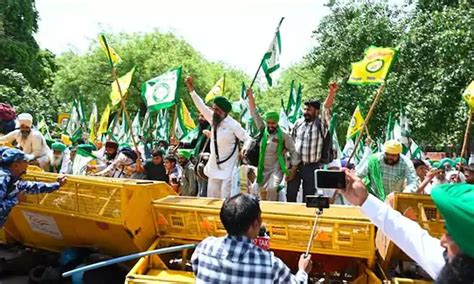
x,y
26,119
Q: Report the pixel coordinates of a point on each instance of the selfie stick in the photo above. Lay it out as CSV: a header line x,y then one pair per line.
x,y
319,211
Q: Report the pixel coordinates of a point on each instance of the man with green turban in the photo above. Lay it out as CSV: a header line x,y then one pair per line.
x,y
59,158
447,260
275,144
226,133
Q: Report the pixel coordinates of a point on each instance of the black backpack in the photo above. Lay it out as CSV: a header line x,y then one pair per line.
x,y
253,154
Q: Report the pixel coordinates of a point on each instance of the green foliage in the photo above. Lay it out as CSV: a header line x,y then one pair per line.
x,y
435,63
88,76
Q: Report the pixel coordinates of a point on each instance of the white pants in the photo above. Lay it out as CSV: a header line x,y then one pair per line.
x,y
219,188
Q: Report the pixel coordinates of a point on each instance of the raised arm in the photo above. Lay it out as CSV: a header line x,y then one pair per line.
x,y
198,102
253,110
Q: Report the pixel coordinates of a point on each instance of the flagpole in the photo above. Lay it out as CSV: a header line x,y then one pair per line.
x,y
260,66
367,118
122,100
223,85
466,134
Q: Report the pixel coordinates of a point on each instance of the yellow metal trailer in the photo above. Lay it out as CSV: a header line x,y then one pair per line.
x,y
113,215
344,236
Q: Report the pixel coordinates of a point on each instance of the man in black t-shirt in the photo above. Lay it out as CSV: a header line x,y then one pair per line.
x,y
154,168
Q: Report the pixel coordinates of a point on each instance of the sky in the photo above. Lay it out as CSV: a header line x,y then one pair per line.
x,y
236,32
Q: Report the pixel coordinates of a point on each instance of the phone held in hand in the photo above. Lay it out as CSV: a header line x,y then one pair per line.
x,y
330,179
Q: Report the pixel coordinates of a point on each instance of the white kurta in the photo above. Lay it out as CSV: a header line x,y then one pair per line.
x,y
228,131
407,235
34,144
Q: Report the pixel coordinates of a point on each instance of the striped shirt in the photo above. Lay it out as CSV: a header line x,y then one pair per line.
x,y
232,259
308,137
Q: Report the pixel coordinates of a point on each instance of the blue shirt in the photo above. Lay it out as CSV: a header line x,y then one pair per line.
x,y
232,259
11,186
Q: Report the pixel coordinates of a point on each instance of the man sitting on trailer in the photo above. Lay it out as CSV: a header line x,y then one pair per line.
x,y
234,258
13,164
448,260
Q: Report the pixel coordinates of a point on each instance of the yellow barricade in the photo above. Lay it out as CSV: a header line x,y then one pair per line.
x,y
113,215
342,230
418,207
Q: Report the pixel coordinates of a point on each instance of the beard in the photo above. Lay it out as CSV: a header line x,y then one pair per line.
x,y
56,160
458,270
308,118
110,156
391,162
271,130
216,119
25,133
203,124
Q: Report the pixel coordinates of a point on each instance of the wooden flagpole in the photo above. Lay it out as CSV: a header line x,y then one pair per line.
x,y
367,118
466,134
122,100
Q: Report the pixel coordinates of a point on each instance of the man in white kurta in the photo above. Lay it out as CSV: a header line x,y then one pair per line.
x,y
220,167
31,141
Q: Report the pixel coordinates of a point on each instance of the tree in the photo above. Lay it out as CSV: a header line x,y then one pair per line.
x,y
435,62
88,76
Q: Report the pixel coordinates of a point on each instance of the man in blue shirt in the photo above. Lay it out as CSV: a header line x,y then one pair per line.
x,y
13,164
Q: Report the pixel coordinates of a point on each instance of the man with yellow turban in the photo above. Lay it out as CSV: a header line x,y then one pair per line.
x,y
389,171
274,145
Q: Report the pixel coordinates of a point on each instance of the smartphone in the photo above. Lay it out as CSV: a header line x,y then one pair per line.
x,y
317,201
330,179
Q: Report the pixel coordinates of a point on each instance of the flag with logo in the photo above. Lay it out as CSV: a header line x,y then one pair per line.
x,y
162,92
93,123
184,122
356,125
81,160
217,90
468,96
104,122
374,68
271,58
111,54
136,127
124,83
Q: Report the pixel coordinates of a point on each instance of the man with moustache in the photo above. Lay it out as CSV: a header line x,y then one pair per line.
x,y
275,143
60,158
30,141
388,171
225,135
309,133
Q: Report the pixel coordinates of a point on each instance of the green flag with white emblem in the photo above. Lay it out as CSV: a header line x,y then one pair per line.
x,y
162,92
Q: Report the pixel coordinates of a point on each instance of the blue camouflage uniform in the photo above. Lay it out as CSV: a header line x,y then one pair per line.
x,y
10,186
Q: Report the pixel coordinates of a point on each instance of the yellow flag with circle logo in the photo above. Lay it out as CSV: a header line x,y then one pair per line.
x,y
374,68
356,124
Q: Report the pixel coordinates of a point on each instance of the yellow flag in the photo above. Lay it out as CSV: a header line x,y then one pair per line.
x,y
468,95
66,140
217,90
124,82
187,119
92,124
104,121
374,68
356,124
111,54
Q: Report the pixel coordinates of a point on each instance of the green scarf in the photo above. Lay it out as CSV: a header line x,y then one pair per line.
x,y
263,149
375,175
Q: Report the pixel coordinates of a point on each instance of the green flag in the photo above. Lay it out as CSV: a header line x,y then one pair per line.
x,y
42,127
271,58
162,92
284,123
81,160
244,105
75,124
124,130
162,125
136,127
390,128
293,108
